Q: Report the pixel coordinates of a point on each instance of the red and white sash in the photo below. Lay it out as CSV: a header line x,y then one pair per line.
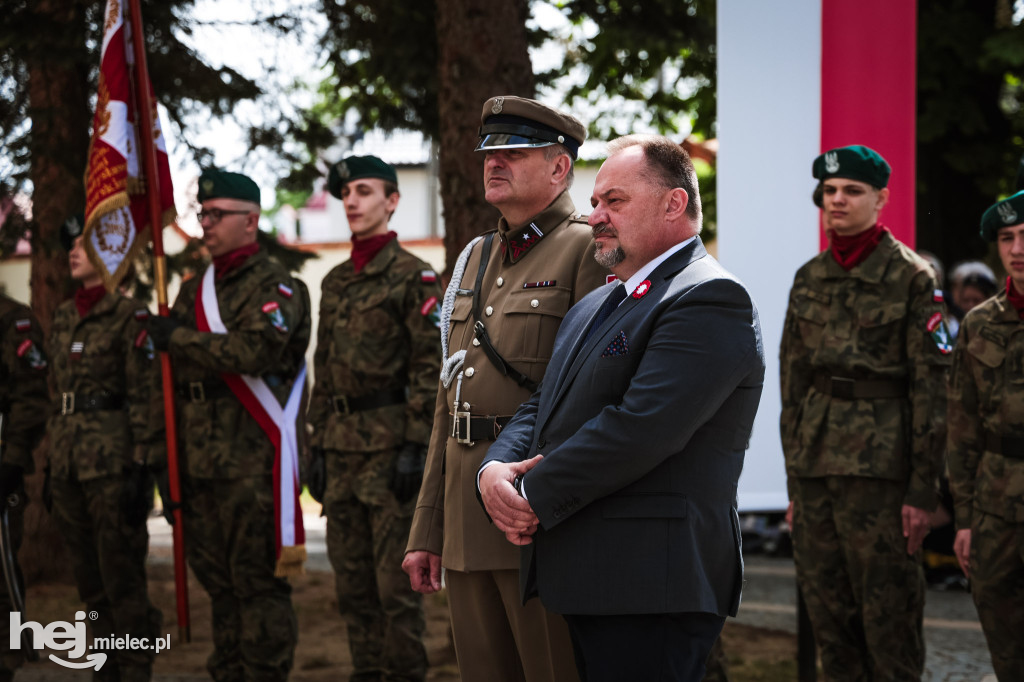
x,y
279,425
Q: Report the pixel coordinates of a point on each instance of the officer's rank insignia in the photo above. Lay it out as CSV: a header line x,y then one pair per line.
x,y
23,325
642,289
937,296
28,350
831,162
77,348
940,334
432,311
608,279
273,312
522,241
428,276
285,290
142,315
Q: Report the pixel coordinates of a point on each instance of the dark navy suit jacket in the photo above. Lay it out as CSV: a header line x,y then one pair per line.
x,y
643,428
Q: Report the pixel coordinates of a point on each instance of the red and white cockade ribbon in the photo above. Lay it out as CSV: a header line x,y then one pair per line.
x,y
279,425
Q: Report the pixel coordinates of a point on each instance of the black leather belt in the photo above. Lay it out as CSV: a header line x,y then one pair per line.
x,y
72,403
860,389
467,429
343,404
1007,446
201,391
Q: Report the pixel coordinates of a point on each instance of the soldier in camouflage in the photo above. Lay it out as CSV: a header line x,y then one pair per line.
x,y
106,432
864,353
986,447
378,356
24,404
227,459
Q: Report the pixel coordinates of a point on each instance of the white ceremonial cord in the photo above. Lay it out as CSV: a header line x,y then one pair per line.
x,y
453,364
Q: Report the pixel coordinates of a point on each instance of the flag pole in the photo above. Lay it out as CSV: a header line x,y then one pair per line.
x,y
147,110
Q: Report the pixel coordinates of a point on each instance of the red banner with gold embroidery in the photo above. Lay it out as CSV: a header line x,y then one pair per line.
x,y
116,212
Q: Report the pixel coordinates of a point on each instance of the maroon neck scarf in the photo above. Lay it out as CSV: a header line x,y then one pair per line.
x,y
87,297
363,250
1015,298
227,262
853,250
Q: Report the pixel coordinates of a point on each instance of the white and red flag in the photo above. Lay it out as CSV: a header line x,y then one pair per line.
x,y
116,209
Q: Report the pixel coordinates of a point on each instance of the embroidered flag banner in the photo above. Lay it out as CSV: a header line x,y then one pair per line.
x,y
116,212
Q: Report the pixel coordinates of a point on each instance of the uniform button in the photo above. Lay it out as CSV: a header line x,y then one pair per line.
x,y
534,303
501,281
476,342
470,372
488,311
465,406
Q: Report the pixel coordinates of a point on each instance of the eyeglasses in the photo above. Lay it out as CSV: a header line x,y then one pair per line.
x,y
215,214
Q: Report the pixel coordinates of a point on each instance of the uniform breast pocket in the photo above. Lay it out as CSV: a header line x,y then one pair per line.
x,y
812,310
880,330
532,318
104,356
990,356
371,324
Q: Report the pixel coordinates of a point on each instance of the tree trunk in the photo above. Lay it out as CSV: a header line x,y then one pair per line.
x,y
482,52
58,107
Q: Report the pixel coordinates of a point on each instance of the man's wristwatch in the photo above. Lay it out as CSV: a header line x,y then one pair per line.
x,y
517,483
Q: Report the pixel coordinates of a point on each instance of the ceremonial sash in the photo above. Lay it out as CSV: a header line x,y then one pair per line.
x,y
279,425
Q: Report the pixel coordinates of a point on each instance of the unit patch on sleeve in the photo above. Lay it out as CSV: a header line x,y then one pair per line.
x,y
431,309
273,312
940,333
32,355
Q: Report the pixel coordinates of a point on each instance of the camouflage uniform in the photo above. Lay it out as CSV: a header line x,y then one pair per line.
x,y
863,361
986,471
108,413
24,403
529,284
227,461
377,336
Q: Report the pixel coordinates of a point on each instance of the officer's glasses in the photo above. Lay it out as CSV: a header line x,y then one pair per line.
x,y
214,215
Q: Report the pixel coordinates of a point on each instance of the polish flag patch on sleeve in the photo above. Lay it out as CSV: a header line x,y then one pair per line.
x,y
428,276
23,325
285,290
937,296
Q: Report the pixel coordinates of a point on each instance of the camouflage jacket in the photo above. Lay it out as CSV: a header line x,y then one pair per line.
x,y
882,320
529,284
105,352
986,396
24,396
266,312
378,331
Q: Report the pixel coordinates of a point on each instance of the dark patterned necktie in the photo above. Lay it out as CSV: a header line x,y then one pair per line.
x,y
611,303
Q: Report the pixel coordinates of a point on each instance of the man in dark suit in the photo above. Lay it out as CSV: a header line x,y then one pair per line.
x,y
618,477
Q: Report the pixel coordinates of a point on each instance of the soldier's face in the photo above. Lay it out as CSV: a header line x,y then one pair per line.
x,y
851,206
1011,251
515,177
82,269
233,230
368,207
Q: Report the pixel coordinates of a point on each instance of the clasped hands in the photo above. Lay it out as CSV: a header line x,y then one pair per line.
x,y
509,511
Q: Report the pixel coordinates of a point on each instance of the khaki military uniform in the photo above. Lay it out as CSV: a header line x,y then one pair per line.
x,y
534,275
107,414
227,461
986,471
863,361
25,404
377,361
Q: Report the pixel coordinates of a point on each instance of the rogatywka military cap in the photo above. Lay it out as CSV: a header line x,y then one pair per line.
x,y
218,184
855,162
1003,213
511,122
70,230
356,168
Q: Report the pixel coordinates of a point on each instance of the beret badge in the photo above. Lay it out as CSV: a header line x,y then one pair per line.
x,y
832,162
496,107
1006,212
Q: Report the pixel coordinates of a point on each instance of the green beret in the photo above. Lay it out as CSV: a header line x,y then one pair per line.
x,y
1004,213
356,168
515,122
217,184
70,230
855,162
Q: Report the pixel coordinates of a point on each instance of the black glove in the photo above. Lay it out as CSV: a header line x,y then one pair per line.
x,y
47,490
408,473
11,476
317,476
163,486
137,494
160,330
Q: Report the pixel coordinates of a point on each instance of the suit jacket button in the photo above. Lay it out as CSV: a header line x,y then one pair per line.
x,y
541,443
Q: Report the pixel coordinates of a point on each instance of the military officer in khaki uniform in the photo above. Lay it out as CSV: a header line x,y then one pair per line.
x,y
378,356
107,427
864,353
508,294
986,446
227,457
24,405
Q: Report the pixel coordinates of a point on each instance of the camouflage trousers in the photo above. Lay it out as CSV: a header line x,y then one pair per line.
x,y
366,534
230,541
109,561
864,593
11,660
997,585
